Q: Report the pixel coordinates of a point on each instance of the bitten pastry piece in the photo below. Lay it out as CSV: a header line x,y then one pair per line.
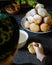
x,y
27,24
30,47
42,12
38,6
34,27
48,20
37,19
32,12
45,27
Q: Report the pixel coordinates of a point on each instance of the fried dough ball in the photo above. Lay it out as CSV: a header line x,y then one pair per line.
x,y
42,12
51,23
38,6
48,15
30,19
45,27
34,27
30,47
27,24
32,12
37,19
48,20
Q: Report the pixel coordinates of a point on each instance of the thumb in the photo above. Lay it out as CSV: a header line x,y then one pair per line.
x,y
36,49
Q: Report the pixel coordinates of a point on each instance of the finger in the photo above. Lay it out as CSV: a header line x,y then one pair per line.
x,y
35,47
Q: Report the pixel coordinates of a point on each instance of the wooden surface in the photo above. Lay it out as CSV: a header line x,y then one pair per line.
x,y
23,56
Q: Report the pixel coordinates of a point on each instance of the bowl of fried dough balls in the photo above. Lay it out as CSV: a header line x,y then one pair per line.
x,y
37,20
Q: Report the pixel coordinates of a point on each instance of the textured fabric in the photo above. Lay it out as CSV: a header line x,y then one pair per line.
x,y
9,35
47,61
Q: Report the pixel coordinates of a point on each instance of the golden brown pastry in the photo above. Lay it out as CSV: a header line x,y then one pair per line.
x,y
34,27
30,47
45,27
42,12
30,19
32,12
48,20
27,24
39,5
49,15
37,19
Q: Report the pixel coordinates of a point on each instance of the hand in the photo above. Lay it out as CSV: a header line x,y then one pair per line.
x,y
39,51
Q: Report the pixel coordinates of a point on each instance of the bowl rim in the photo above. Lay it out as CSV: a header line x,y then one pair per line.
x,y
26,34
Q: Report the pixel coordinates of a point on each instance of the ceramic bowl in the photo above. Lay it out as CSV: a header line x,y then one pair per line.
x,y
23,37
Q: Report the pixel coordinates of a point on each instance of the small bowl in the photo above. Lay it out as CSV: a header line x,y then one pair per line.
x,y
12,9
22,38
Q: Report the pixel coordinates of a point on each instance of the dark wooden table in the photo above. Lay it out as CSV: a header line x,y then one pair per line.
x,y
23,56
